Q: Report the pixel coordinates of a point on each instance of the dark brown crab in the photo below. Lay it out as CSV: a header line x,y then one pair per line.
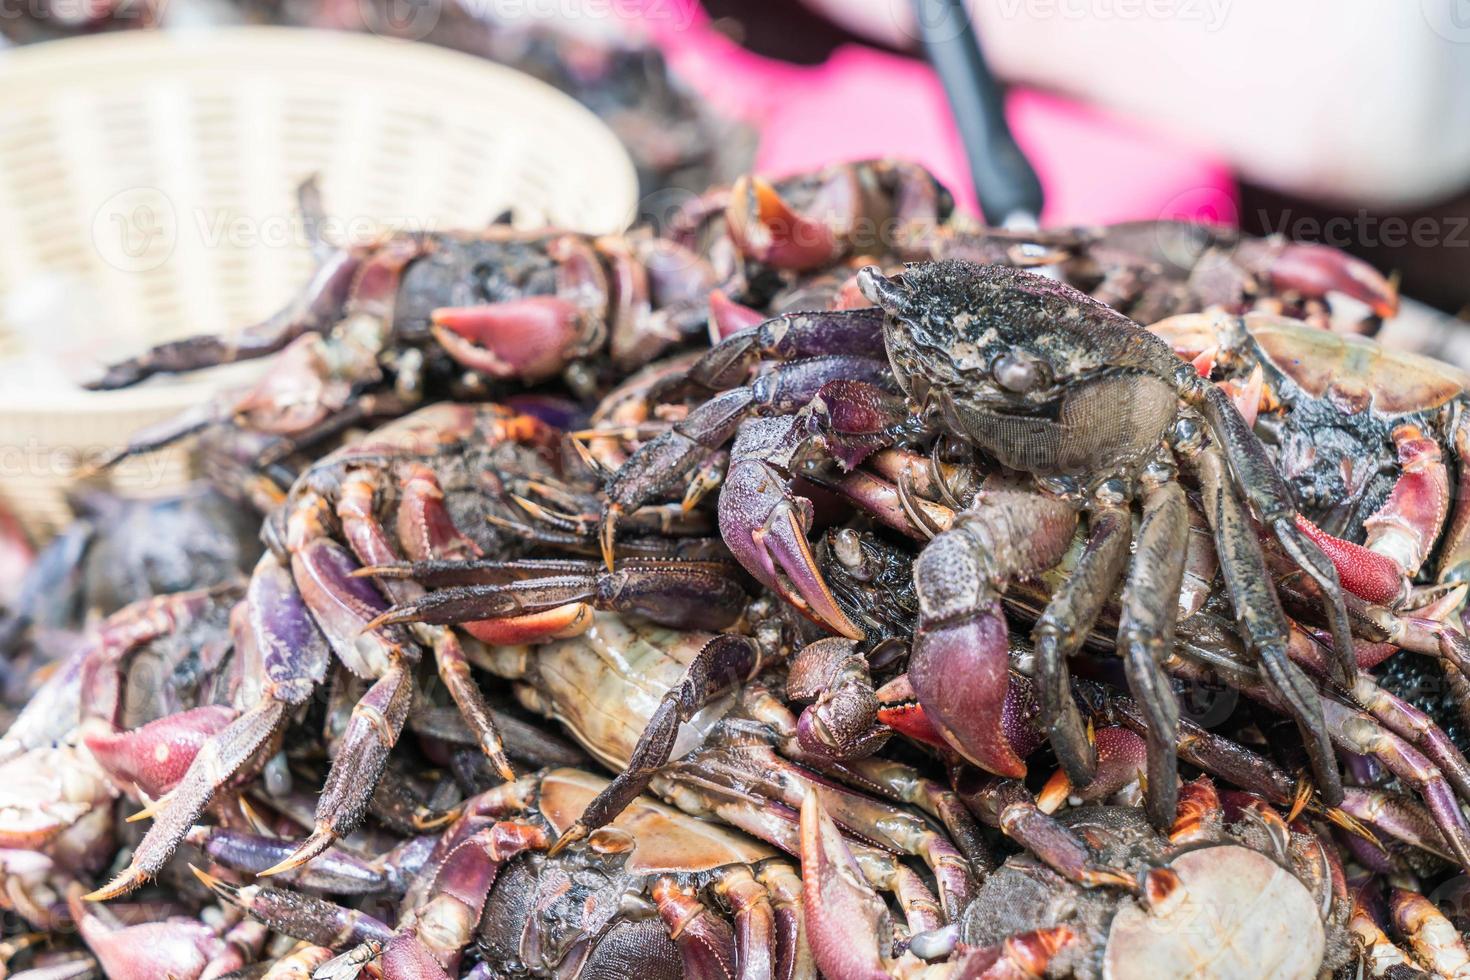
x,y
1050,383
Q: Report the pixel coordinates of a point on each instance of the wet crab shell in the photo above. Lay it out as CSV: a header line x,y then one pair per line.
x,y
1220,909
1041,375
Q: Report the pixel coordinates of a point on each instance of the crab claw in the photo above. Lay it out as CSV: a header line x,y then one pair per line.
x,y
839,724
845,919
1366,574
765,227
1316,270
155,757
528,339
176,948
727,317
959,673
765,526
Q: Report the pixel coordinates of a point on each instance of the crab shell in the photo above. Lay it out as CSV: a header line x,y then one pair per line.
x,y
1218,909
664,840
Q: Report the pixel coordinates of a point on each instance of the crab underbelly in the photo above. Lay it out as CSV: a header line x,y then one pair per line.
x,y
605,684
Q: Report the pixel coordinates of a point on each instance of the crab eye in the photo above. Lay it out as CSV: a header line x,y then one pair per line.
x,y
1017,373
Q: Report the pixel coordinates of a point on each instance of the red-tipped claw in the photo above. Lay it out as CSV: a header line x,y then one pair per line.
x,y
765,527
155,757
1316,270
765,227
845,919
959,671
528,339
727,317
1366,574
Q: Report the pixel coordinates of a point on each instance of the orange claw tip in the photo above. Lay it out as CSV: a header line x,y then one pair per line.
x,y
1054,793
211,882
125,882
392,617
574,833
314,845
607,534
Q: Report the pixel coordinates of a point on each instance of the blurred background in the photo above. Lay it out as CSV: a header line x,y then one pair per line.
x,y
1342,122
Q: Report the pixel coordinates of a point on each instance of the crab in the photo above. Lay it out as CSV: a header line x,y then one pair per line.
x,y
1052,384
1364,436
655,890
383,325
1231,890
1154,269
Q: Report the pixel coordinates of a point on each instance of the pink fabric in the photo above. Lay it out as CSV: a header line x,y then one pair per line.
x,y
867,103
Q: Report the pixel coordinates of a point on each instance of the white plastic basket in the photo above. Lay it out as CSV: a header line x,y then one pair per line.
x,y
147,192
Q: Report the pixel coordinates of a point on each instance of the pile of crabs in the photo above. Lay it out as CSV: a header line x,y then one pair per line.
x,y
821,584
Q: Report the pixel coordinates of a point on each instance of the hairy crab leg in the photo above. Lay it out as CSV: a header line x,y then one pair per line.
x,y
489,598
303,917
1059,633
1009,806
1146,633
1269,496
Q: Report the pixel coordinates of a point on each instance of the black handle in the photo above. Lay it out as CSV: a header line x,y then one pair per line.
x,y
1005,184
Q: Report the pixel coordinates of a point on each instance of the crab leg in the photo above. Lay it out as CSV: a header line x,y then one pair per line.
x,y
303,917
1271,500
661,468
1434,939
336,871
793,954
1261,618
722,663
790,337
1360,733
293,658
500,599
777,823
314,310
755,923
1008,805
706,942
1146,635
1060,631
431,942
1398,816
